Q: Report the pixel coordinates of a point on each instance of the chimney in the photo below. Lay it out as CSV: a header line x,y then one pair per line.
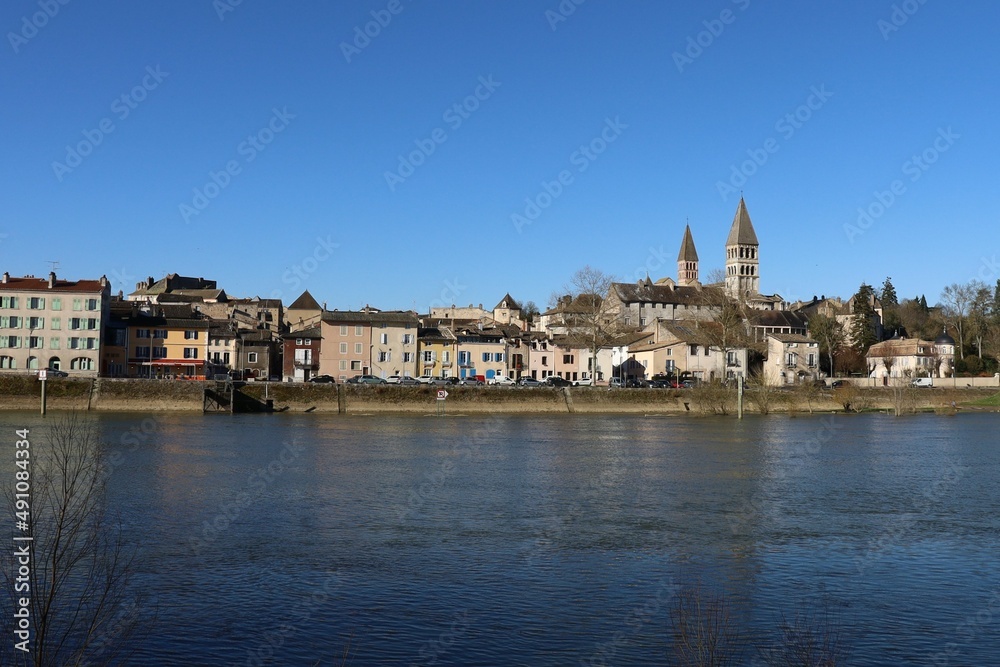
x,y
104,281
52,279
6,277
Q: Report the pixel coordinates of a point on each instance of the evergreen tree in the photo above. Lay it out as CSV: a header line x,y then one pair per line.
x,y
863,334
923,303
890,307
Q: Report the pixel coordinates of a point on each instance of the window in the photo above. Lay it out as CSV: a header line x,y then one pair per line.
x,y
10,341
428,356
791,359
53,343
161,353
36,322
298,341
355,365
77,304
36,342
141,351
307,341
15,322
407,357
357,348
56,304
190,335
706,350
567,358
82,364
446,356
75,323
92,304
139,333
670,351
382,325
694,350
486,356
55,323
251,357
407,339
383,357
358,330
343,329
160,333
225,358
812,360
545,361
8,302
36,303
642,321
498,356
383,339
628,321
343,348
732,359
192,353
464,358
8,362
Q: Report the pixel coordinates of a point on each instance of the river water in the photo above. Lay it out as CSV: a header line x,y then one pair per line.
x,y
554,540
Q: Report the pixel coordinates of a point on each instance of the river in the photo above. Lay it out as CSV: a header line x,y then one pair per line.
x,y
553,540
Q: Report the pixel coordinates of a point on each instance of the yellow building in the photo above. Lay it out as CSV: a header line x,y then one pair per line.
x,y
436,352
165,341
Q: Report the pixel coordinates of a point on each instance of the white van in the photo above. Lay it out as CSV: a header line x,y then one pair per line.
x,y
922,382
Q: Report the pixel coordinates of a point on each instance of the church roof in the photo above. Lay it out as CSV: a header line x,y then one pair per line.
x,y
688,252
742,232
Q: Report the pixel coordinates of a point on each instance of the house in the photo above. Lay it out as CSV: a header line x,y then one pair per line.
x,y
481,351
640,303
150,291
303,313
301,354
901,357
686,349
52,323
766,322
437,352
162,340
258,354
541,359
222,348
368,342
508,311
791,359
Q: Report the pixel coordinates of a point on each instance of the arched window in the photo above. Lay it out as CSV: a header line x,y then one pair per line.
x,y
54,363
32,363
82,364
7,362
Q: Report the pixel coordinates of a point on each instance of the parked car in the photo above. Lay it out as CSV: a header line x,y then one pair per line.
x,y
408,381
616,383
556,381
366,379
393,379
56,373
501,380
660,381
922,382
636,383
425,379
589,382
472,380
444,381
839,383
530,382
323,379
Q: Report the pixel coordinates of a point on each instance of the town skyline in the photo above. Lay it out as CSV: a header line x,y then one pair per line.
x,y
859,135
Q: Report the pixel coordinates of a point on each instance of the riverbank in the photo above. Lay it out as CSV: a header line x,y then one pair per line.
x,y
123,395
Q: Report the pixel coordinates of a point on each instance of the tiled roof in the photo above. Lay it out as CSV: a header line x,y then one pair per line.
x,y
791,338
509,301
32,284
652,293
688,252
370,317
305,302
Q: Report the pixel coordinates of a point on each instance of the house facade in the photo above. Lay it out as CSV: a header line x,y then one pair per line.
x,y
52,323
481,352
912,358
791,359
301,354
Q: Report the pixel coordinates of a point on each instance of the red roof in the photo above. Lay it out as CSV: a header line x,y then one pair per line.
x,y
42,285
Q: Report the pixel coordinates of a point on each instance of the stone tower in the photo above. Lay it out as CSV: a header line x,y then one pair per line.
x,y
687,260
742,262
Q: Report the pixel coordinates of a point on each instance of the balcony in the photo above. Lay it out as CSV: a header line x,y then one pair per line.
x,y
306,363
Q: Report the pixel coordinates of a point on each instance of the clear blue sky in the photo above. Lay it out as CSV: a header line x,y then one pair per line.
x,y
445,232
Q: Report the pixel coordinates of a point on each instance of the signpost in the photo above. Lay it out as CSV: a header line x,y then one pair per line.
x,y
42,376
441,395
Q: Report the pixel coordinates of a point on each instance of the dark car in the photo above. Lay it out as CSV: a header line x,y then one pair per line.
x,y
366,379
636,383
660,381
408,381
323,379
556,381
530,382
839,383
444,381
55,373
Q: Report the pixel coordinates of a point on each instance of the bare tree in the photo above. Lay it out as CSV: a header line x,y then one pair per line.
x,y
956,300
705,634
82,610
588,315
760,393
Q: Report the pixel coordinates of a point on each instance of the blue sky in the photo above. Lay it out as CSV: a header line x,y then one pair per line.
x,y
681,104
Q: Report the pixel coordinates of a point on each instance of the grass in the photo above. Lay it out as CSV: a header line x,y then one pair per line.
x,y
988,401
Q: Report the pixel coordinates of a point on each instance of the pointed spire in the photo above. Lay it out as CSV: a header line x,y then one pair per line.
x,y
688,252
742,232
